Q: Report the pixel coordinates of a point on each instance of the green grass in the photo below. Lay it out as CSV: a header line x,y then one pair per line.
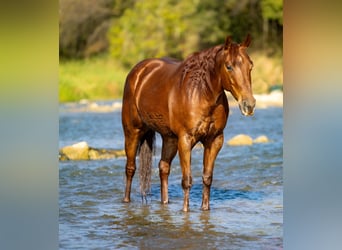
x,y
103,78
98,78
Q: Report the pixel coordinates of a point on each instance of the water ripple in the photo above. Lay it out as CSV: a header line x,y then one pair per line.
x,y
246,194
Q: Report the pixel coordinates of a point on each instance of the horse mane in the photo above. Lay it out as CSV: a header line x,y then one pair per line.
x,y
197,69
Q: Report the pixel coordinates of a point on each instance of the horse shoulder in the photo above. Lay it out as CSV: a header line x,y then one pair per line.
x,y
199,119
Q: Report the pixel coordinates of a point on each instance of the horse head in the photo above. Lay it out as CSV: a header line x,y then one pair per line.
x,y
236,67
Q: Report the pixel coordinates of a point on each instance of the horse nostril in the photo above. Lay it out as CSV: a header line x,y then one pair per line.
x,y
247,107
250,109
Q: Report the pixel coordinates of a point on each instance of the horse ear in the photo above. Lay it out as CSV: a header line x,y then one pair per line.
x,y
247,41
228,42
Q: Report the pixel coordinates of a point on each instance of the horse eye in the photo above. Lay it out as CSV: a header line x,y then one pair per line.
x,y
229,67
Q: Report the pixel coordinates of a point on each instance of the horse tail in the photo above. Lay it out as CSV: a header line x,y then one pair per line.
x,y
146,151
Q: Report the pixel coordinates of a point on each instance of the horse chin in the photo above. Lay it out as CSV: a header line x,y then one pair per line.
x,y
246,113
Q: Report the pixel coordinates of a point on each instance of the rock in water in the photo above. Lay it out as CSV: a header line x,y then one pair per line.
x,y
81,151
102,154
261,139
240,140
78,151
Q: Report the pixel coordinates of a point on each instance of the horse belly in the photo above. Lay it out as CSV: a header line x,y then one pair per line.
x,y
157,121
153,110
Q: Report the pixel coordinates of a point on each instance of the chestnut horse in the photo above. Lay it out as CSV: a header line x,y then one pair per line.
x,y
185,102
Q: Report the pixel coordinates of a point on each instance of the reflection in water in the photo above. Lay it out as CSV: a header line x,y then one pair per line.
x,y
246,195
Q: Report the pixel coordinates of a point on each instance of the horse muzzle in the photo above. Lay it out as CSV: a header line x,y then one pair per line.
x,y
247,107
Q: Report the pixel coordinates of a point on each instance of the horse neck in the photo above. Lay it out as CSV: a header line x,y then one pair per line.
x,y
202,69
215,74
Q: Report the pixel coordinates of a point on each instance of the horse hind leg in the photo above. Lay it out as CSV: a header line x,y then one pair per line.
x,y
131,147
169,150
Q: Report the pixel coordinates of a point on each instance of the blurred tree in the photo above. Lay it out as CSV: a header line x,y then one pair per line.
x,y
213,22
137,29
240,17
153,28
119,6
83,26
245,16
272,13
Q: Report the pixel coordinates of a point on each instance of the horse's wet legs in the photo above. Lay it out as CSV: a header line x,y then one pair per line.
x,y
211,149
169,150
131,145
184,151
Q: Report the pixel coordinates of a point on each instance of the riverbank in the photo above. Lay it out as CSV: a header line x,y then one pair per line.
x,y
102,78
274,99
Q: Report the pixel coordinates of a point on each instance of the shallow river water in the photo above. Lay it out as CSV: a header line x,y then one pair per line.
x,y
246,196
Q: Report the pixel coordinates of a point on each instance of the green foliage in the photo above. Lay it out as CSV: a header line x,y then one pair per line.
x,y
176,28
272,15
119,6
139,29
153,29
83,26
273,10
245,17
212,22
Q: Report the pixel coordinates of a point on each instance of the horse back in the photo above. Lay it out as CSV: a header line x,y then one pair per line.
x,y
151,73
147,90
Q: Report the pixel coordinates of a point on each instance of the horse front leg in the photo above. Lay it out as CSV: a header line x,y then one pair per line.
x,y
211,149
184,151
169,150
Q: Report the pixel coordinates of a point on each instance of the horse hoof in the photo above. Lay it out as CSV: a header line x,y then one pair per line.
x,y
186,209
126,200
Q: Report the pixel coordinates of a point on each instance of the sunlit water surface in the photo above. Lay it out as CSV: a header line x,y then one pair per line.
x,y
246,195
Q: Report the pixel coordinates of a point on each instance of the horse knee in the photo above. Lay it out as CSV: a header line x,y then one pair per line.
x,y
187,182
207,179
